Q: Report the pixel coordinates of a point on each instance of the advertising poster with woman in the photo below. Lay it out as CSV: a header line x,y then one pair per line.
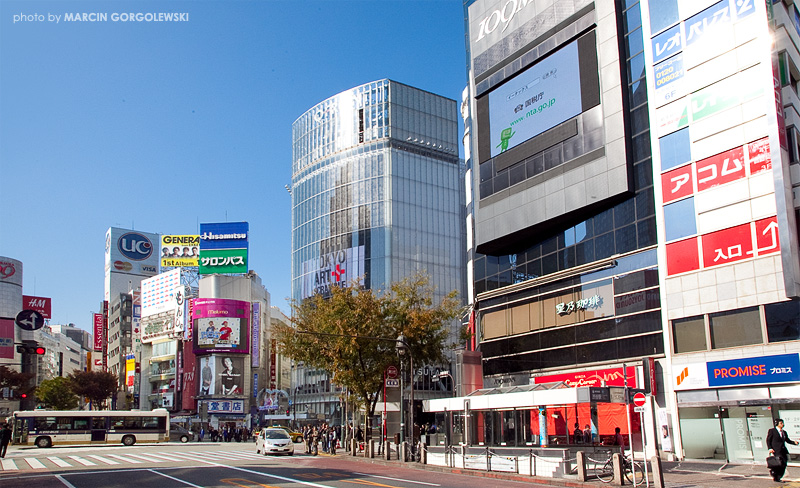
x,y
230,376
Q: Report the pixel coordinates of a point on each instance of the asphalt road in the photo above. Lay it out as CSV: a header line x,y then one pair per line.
x,y
210,465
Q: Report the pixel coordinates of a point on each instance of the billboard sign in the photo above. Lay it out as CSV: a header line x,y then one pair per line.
x,y
541,97
225,406
131,252
39,304
158,293
10,271
221,375
223,261
6,338
158,327
225,235
220,325
97,321
594,378
255,346
781,368
180,251
333,269
130,371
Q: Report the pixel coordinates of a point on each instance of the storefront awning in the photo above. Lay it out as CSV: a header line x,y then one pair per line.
x,y
516,397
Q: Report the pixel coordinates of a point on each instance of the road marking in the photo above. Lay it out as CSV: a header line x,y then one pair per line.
x,y
168,458
148,459
370,483
66,483
233,481
126,459
397,479
59,462
174,478
9,465
34,463
102,459
214,455
85,462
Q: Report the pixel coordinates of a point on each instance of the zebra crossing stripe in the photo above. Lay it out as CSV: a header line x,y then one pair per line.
x,y
85,462
123,458
168,458
9,465
34,463
148,459
59,462
215,455
102,459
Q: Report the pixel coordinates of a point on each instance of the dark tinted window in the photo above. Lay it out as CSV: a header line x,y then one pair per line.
x,y
783,321
689,334
736,328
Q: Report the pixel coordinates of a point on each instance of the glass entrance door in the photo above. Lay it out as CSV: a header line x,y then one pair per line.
x,y
736,433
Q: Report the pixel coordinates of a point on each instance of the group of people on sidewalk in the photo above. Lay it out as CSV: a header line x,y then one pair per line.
x,y
325,436
225,434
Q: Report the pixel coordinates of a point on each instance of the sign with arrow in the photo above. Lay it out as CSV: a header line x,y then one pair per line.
x,y
29,320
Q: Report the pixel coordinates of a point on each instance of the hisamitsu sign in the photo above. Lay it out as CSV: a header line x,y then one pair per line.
x,y
748,371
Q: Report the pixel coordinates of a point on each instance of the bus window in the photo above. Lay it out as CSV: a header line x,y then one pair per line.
x,y
64,423
99,423
117,423
133,423
45,423
81,424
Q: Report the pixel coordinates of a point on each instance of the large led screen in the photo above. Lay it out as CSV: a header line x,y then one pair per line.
x,y
543,96
220,325
221,375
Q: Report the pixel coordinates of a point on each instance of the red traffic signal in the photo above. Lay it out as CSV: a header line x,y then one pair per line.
x,y
30,347
23,395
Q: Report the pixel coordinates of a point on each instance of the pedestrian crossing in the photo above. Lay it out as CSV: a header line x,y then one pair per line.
x,y
39,463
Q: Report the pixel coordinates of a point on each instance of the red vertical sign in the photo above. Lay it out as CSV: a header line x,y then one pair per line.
x,y
98,331
6,338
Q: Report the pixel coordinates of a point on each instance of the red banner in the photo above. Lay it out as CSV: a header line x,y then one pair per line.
x,y
6,339
39,304
189,383
98,332
599,377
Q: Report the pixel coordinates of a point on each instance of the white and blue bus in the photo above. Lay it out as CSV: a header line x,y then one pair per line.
x,y
46,428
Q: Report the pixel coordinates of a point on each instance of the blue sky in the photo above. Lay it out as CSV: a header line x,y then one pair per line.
x,y
159,126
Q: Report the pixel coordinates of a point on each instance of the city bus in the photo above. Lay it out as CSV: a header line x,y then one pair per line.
x,y
47,428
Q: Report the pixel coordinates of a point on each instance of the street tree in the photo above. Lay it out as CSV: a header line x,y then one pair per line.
x,y
18,383
96,386
57,394
351,333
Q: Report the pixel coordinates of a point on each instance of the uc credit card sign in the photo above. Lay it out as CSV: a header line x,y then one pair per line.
x,y
759,370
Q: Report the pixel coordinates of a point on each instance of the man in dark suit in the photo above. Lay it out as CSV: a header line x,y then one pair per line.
x,y
776,441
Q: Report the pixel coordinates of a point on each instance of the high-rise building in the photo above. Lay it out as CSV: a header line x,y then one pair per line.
x,y
633,206
377,195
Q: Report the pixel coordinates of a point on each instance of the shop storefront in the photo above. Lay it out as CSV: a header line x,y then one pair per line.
x,y
725,408
532,416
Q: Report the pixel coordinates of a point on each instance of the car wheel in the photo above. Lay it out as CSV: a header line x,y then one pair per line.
x,y
44,442
129,440
184,438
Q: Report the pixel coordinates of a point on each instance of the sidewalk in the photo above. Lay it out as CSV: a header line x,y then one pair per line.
x,y
690,474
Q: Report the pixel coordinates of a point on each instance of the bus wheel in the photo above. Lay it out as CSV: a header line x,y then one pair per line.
x,y
129,440
44,442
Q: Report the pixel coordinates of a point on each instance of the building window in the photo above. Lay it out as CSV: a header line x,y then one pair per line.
x,y
663,13
675,149
689,334
736,328
679,219
783,321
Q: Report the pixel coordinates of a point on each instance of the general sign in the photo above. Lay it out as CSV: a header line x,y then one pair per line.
x,y
639,399
30,320
392,383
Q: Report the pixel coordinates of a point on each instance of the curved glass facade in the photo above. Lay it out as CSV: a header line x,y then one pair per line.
x,y
376,190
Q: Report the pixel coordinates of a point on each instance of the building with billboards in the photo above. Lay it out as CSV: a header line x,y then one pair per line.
x,y
226,350
648,222
376,196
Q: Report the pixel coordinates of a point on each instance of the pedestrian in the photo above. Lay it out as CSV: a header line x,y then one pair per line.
x,y
577,434
202,434
587,434
618,439
776,441
5,438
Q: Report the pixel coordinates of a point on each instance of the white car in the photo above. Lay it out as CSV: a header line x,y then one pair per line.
x,y
274,441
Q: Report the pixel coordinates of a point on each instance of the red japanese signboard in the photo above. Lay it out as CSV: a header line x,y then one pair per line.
x,y
736,243
677,183
39,304
720,169
600,377
758,156
682,256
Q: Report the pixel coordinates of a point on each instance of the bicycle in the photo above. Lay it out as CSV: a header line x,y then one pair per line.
x,y
631,469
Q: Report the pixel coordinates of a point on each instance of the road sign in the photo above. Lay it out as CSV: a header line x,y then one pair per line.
x,y
392,383
30,320
638,409
391,372
639,399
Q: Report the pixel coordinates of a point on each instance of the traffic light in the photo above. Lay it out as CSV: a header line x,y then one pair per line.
x,y
31,347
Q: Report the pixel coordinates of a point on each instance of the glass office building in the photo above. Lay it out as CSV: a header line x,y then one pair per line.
x,y
377,192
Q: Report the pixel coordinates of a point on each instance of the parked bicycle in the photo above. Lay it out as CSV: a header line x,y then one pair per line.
x,y
631,469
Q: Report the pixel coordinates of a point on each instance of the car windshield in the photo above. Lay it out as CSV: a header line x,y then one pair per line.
x,y
276,434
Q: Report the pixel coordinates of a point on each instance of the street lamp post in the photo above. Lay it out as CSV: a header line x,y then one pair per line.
x,y
402,347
